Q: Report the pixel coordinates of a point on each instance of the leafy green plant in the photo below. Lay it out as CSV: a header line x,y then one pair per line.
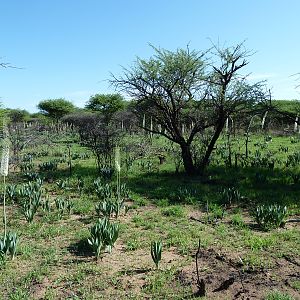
x,y
293,159
29,210
230,195
48,166
107,208
103,190
106,173
270,216
31,176
63,206
103,236
11,190
63,184
45,204
26,166
8,245
156,250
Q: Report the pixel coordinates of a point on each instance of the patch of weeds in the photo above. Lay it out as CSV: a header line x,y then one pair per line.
x,y
275,295
214,212
175,237
259,243
138,202
18,294
82,206
255,261
184,195
50,255
140,221
50,232
162,202
133,243
161,284
238,221
295,284
174,211
222,230
26,250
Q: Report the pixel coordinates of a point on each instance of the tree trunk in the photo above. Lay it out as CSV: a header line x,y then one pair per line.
x,y
210,148
187,159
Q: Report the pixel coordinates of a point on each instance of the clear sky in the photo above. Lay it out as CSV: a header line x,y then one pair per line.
x,y
68,48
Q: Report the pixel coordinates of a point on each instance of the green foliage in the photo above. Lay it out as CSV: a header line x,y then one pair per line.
x,y
183,195
8,245
275,295
106,173
107,208
56,108
230,196
18,115
103,236
63,206
48,166
103,190
293,159
174,211
214,212
11,191
30,195
237,221
156,250
270,216
289,106
107,104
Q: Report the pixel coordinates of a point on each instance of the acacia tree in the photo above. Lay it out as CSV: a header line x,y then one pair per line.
x,y
164,87
106,104
56,108
229,94
183,86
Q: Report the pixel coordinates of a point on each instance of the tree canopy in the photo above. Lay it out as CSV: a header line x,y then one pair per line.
x,y
198,89
56,108
107,104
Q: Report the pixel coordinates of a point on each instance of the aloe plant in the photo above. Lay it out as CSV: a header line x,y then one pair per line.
x,y
8,245
270,216
12,242
29,210
107,208
156,250
63,206
103,236
11,191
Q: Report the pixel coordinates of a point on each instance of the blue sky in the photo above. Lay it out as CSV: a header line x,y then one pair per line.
x,y
68,48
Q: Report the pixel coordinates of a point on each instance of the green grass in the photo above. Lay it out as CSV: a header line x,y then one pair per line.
x,y
164,206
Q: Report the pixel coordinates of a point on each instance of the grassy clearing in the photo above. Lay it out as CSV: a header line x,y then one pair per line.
x,y
55,261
